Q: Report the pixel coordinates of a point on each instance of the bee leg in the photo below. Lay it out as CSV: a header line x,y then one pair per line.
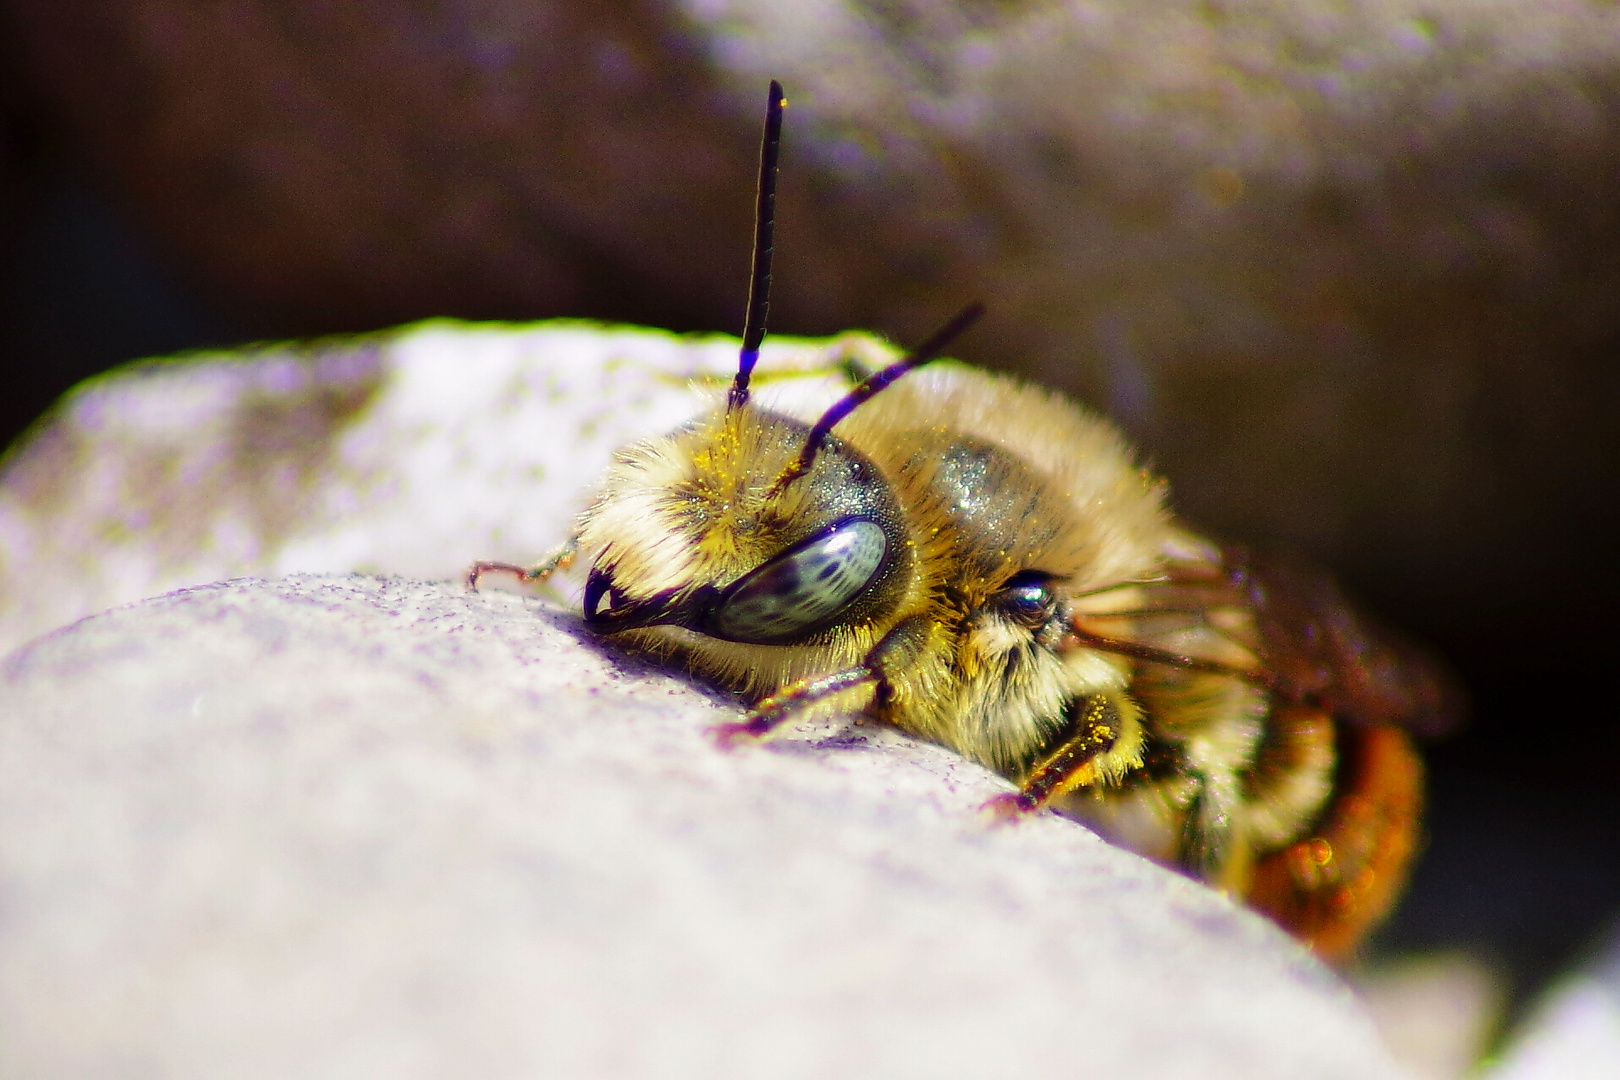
x,y
794,698
898,649
1072,764
560,559
857,355
1334,885
1207,848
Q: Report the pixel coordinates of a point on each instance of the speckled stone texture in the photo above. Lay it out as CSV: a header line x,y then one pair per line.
x,y
329,826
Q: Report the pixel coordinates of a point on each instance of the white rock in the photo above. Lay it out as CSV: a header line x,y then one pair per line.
x,y
348,826
415,452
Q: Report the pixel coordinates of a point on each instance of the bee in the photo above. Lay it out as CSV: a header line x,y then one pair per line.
x,y
983,563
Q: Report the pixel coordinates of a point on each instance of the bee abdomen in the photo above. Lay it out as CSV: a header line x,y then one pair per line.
x,y
1334,885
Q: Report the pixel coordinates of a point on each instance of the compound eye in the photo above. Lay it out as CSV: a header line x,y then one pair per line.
x,y
804,589
1027,598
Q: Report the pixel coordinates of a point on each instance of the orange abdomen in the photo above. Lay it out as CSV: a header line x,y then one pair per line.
x,y
1331,888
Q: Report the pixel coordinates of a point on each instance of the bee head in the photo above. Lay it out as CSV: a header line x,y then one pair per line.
x,y
697,530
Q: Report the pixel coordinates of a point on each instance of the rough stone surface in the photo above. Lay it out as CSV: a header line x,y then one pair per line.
x,y
350,826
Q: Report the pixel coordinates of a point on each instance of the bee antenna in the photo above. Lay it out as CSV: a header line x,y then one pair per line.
x,y
759,282
928,350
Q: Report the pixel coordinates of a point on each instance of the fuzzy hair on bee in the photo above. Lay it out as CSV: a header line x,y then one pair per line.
x,y
984,563
955,511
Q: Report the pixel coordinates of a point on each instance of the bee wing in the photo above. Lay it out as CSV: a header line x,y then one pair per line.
x,y
1360,669
1284,626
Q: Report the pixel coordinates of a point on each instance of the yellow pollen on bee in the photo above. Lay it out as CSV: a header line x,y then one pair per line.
x,y
1084,776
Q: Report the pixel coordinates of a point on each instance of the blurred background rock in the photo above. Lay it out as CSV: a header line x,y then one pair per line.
x,y
1349,271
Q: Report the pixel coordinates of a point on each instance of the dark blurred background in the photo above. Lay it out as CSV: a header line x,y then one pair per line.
x,y
1352,283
